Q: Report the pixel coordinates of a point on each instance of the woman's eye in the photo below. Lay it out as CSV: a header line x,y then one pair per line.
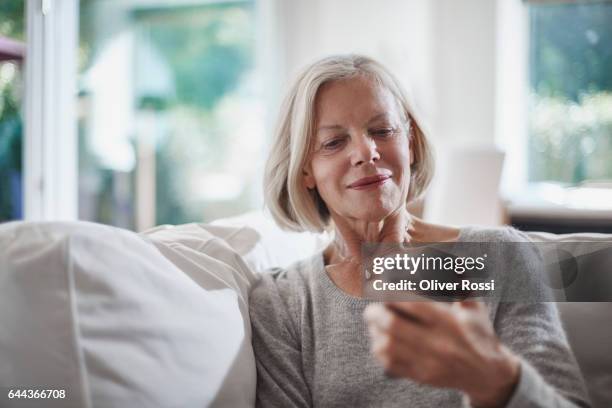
x,y
333,144
383,132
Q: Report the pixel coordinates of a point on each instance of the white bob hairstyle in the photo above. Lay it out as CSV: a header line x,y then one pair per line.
x,y
293,206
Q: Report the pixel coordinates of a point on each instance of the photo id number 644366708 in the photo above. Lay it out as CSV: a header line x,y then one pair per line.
x,y
35,393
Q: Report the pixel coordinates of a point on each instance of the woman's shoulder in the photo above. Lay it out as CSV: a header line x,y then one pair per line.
x,y
276,300
296,273
491,234
511,247
285,285
425,231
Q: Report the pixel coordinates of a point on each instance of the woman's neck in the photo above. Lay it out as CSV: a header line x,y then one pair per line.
x,y
399,227
350,234
342,257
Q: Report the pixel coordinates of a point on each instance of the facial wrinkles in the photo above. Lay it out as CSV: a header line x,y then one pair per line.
x,y
347,173
331,140
338,114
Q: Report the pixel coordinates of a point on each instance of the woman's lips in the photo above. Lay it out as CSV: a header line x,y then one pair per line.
x,y
369,182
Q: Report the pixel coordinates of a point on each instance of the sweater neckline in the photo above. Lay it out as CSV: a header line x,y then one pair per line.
x,y
334,292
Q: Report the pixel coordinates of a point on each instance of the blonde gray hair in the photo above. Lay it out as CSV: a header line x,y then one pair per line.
x,y
293,206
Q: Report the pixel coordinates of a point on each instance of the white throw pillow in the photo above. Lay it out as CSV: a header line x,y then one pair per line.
x,y
100,313
263,244
200,252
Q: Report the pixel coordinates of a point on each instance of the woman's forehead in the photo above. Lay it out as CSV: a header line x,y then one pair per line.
x,y
358,98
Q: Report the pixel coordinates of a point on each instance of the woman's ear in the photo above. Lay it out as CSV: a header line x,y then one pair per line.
x,y
308,178
411,145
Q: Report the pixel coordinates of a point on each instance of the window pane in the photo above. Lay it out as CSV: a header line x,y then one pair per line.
x,y
171,118
571,85
12,20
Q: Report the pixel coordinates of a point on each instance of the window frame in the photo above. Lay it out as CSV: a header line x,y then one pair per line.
x,y
50,128
512,92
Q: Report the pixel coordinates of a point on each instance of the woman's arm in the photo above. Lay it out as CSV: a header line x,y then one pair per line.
x,y
280,378
531,328
549,373
522,359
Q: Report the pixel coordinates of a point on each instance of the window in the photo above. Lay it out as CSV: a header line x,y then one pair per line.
x,y
12,18
170,112
570,76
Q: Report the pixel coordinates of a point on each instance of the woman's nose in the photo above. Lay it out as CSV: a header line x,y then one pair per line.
x,y
364,150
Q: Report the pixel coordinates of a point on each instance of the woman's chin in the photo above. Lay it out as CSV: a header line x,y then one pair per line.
x,y
374,214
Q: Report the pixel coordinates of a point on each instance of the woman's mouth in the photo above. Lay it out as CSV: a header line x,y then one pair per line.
x,y
369,182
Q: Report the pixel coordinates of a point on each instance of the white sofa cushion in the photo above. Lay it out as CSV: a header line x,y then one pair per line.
x,y
99,312
263,244
200,251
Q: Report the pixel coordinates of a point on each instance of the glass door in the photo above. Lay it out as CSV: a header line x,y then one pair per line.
x,y
170,111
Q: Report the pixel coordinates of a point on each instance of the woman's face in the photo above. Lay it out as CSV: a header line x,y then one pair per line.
x,y
361,155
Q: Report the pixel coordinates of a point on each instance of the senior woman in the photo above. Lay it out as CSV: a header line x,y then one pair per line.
x,y
349,155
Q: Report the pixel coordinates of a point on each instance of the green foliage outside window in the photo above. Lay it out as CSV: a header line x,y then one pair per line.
x,y
571,84
12,19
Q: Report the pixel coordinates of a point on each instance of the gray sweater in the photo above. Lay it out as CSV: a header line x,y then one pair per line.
x,y
312,347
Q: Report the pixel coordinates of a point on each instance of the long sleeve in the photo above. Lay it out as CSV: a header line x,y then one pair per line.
x,y
550,376
532,329
280,377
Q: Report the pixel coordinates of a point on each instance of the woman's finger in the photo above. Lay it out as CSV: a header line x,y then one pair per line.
x,y
390,349
427,312
389,322
470,304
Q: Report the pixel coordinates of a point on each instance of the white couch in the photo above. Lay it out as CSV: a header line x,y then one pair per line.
x,y
160,319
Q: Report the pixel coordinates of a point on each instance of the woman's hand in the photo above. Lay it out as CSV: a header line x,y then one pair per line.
x,y
444,345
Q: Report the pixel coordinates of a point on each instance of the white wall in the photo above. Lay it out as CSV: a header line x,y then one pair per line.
x,y
464,75
444,50
395,32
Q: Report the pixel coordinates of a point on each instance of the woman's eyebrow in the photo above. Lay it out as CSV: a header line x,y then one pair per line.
x,y
329,127
336,127
378,116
